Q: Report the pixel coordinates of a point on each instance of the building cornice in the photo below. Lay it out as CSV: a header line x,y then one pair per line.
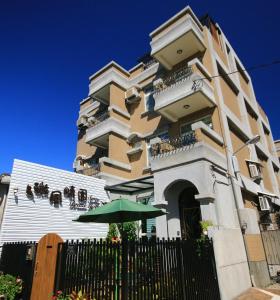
x,y
184,11
111,64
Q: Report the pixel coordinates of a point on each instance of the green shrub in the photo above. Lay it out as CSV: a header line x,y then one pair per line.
x,y
10,286
113,231
205,224
128,230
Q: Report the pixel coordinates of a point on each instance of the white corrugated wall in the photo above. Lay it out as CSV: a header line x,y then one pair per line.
x,y
28,220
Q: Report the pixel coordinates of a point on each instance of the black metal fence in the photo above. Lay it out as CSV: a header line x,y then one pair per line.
x,y
154,269
18,259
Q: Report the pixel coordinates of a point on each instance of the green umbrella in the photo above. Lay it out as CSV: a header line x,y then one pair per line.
x,y
119,211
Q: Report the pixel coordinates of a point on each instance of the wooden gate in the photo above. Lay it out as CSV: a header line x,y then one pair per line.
x,y
271,242
45,265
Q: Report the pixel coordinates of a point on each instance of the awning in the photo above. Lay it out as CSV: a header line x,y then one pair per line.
x,y
133,187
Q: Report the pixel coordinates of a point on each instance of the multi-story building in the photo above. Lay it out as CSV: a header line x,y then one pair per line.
x,y
277,147
185,125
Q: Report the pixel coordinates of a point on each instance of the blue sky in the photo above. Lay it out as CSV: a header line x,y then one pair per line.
x,y
50,48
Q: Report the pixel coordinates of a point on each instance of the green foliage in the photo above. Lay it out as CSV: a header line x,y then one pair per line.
x,y
128,230
73,296
113,231
79,296
10,286
205,224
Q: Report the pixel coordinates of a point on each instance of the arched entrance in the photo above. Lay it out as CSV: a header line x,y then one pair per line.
x,y
190,214
184,214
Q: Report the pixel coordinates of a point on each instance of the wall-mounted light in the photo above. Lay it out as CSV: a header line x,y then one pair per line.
x,y
15,191
179,51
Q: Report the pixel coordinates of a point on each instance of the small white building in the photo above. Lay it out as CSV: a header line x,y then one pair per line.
x,y
43,199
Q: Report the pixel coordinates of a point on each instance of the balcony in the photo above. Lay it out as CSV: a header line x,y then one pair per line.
x,y
90,171
177,39
182,92
102,126
191,147
99,87
173,144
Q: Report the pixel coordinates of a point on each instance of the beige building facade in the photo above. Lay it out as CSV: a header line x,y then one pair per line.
x,y
177,128
277,148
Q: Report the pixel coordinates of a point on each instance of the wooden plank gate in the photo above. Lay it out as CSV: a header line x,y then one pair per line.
x,y
154,269
271,242
45,265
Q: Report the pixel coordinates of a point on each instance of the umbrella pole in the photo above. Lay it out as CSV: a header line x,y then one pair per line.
x,y
116,275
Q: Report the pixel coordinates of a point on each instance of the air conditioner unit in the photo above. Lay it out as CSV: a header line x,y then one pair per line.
x,y
270,227
254,171
78,165
82,122
264,204
91,121
132,95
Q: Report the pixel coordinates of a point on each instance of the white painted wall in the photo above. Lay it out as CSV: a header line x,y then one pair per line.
x,y
26,219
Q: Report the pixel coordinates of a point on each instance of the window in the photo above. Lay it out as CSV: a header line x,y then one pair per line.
x,y
149,99
264,202
187,128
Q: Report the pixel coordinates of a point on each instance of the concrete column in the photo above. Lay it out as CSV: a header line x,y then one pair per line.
x,y
161,223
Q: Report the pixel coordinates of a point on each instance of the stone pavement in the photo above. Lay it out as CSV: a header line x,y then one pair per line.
x,y
259,294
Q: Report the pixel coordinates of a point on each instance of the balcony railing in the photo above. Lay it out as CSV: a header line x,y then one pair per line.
x,y
172,144
150,63
100,118
172,78
90,171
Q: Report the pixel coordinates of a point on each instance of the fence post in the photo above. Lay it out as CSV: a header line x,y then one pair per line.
x,y
60,260
124,270
181,265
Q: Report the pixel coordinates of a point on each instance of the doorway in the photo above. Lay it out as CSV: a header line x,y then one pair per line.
x,y
190,214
